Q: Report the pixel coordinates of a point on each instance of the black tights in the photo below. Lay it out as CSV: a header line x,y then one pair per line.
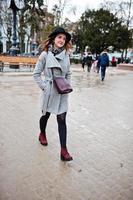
x,y
61,119
43,122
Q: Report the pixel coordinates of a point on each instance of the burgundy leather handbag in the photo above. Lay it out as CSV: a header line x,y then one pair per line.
x,y
62,85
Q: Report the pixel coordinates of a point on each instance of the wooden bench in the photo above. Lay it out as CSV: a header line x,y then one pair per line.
x,y
125,66
1,66
16,61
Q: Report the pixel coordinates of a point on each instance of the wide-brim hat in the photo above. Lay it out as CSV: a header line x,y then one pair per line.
x,y
58,31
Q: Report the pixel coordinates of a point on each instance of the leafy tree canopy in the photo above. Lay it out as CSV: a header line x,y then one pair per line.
x,y
100,29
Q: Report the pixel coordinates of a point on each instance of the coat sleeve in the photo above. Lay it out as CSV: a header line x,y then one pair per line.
x,y
68,75
39,68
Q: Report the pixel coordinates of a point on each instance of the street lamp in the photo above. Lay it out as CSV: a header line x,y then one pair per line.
x,y
15,5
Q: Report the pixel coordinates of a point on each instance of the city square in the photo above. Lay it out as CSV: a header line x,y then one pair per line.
x,y
99,137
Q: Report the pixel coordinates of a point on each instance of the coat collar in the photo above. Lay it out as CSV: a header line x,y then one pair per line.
x,y
52,61
61,55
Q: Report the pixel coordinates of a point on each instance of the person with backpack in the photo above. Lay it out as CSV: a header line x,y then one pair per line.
x,y
89,60
103,62
83,60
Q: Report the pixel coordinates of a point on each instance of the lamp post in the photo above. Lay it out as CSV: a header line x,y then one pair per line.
x,y
15,5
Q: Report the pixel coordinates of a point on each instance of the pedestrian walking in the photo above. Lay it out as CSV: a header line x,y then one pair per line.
x,y
83,61
103,62
94,65
97,64
89,60
54,59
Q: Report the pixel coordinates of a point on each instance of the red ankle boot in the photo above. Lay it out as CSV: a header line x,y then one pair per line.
x,y
43,139
65,156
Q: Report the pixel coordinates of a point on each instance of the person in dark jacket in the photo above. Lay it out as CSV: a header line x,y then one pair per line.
x,y
89,60
103,62
83,61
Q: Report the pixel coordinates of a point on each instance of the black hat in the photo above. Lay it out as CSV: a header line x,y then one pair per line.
x,y
58,31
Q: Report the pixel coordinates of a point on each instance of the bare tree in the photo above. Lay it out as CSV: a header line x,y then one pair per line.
x,y
58,11
6,23
122,9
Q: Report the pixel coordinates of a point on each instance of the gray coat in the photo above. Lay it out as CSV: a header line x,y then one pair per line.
x,y
51,100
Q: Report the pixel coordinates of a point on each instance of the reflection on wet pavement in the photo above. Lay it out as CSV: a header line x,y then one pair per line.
x,y
82,80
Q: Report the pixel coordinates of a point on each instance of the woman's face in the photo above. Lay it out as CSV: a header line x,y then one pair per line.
x,y
59,40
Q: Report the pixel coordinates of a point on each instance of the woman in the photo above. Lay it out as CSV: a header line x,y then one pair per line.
x,y
54,59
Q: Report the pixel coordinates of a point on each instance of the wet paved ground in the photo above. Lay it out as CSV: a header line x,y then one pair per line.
x,y
100,139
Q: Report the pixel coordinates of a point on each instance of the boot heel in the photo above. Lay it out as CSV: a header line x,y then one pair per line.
x,y
65,156
62,158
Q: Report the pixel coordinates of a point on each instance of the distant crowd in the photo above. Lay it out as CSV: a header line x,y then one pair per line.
x,y
97,63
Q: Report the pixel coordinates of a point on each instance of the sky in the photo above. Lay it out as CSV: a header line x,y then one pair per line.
x,y
81,6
